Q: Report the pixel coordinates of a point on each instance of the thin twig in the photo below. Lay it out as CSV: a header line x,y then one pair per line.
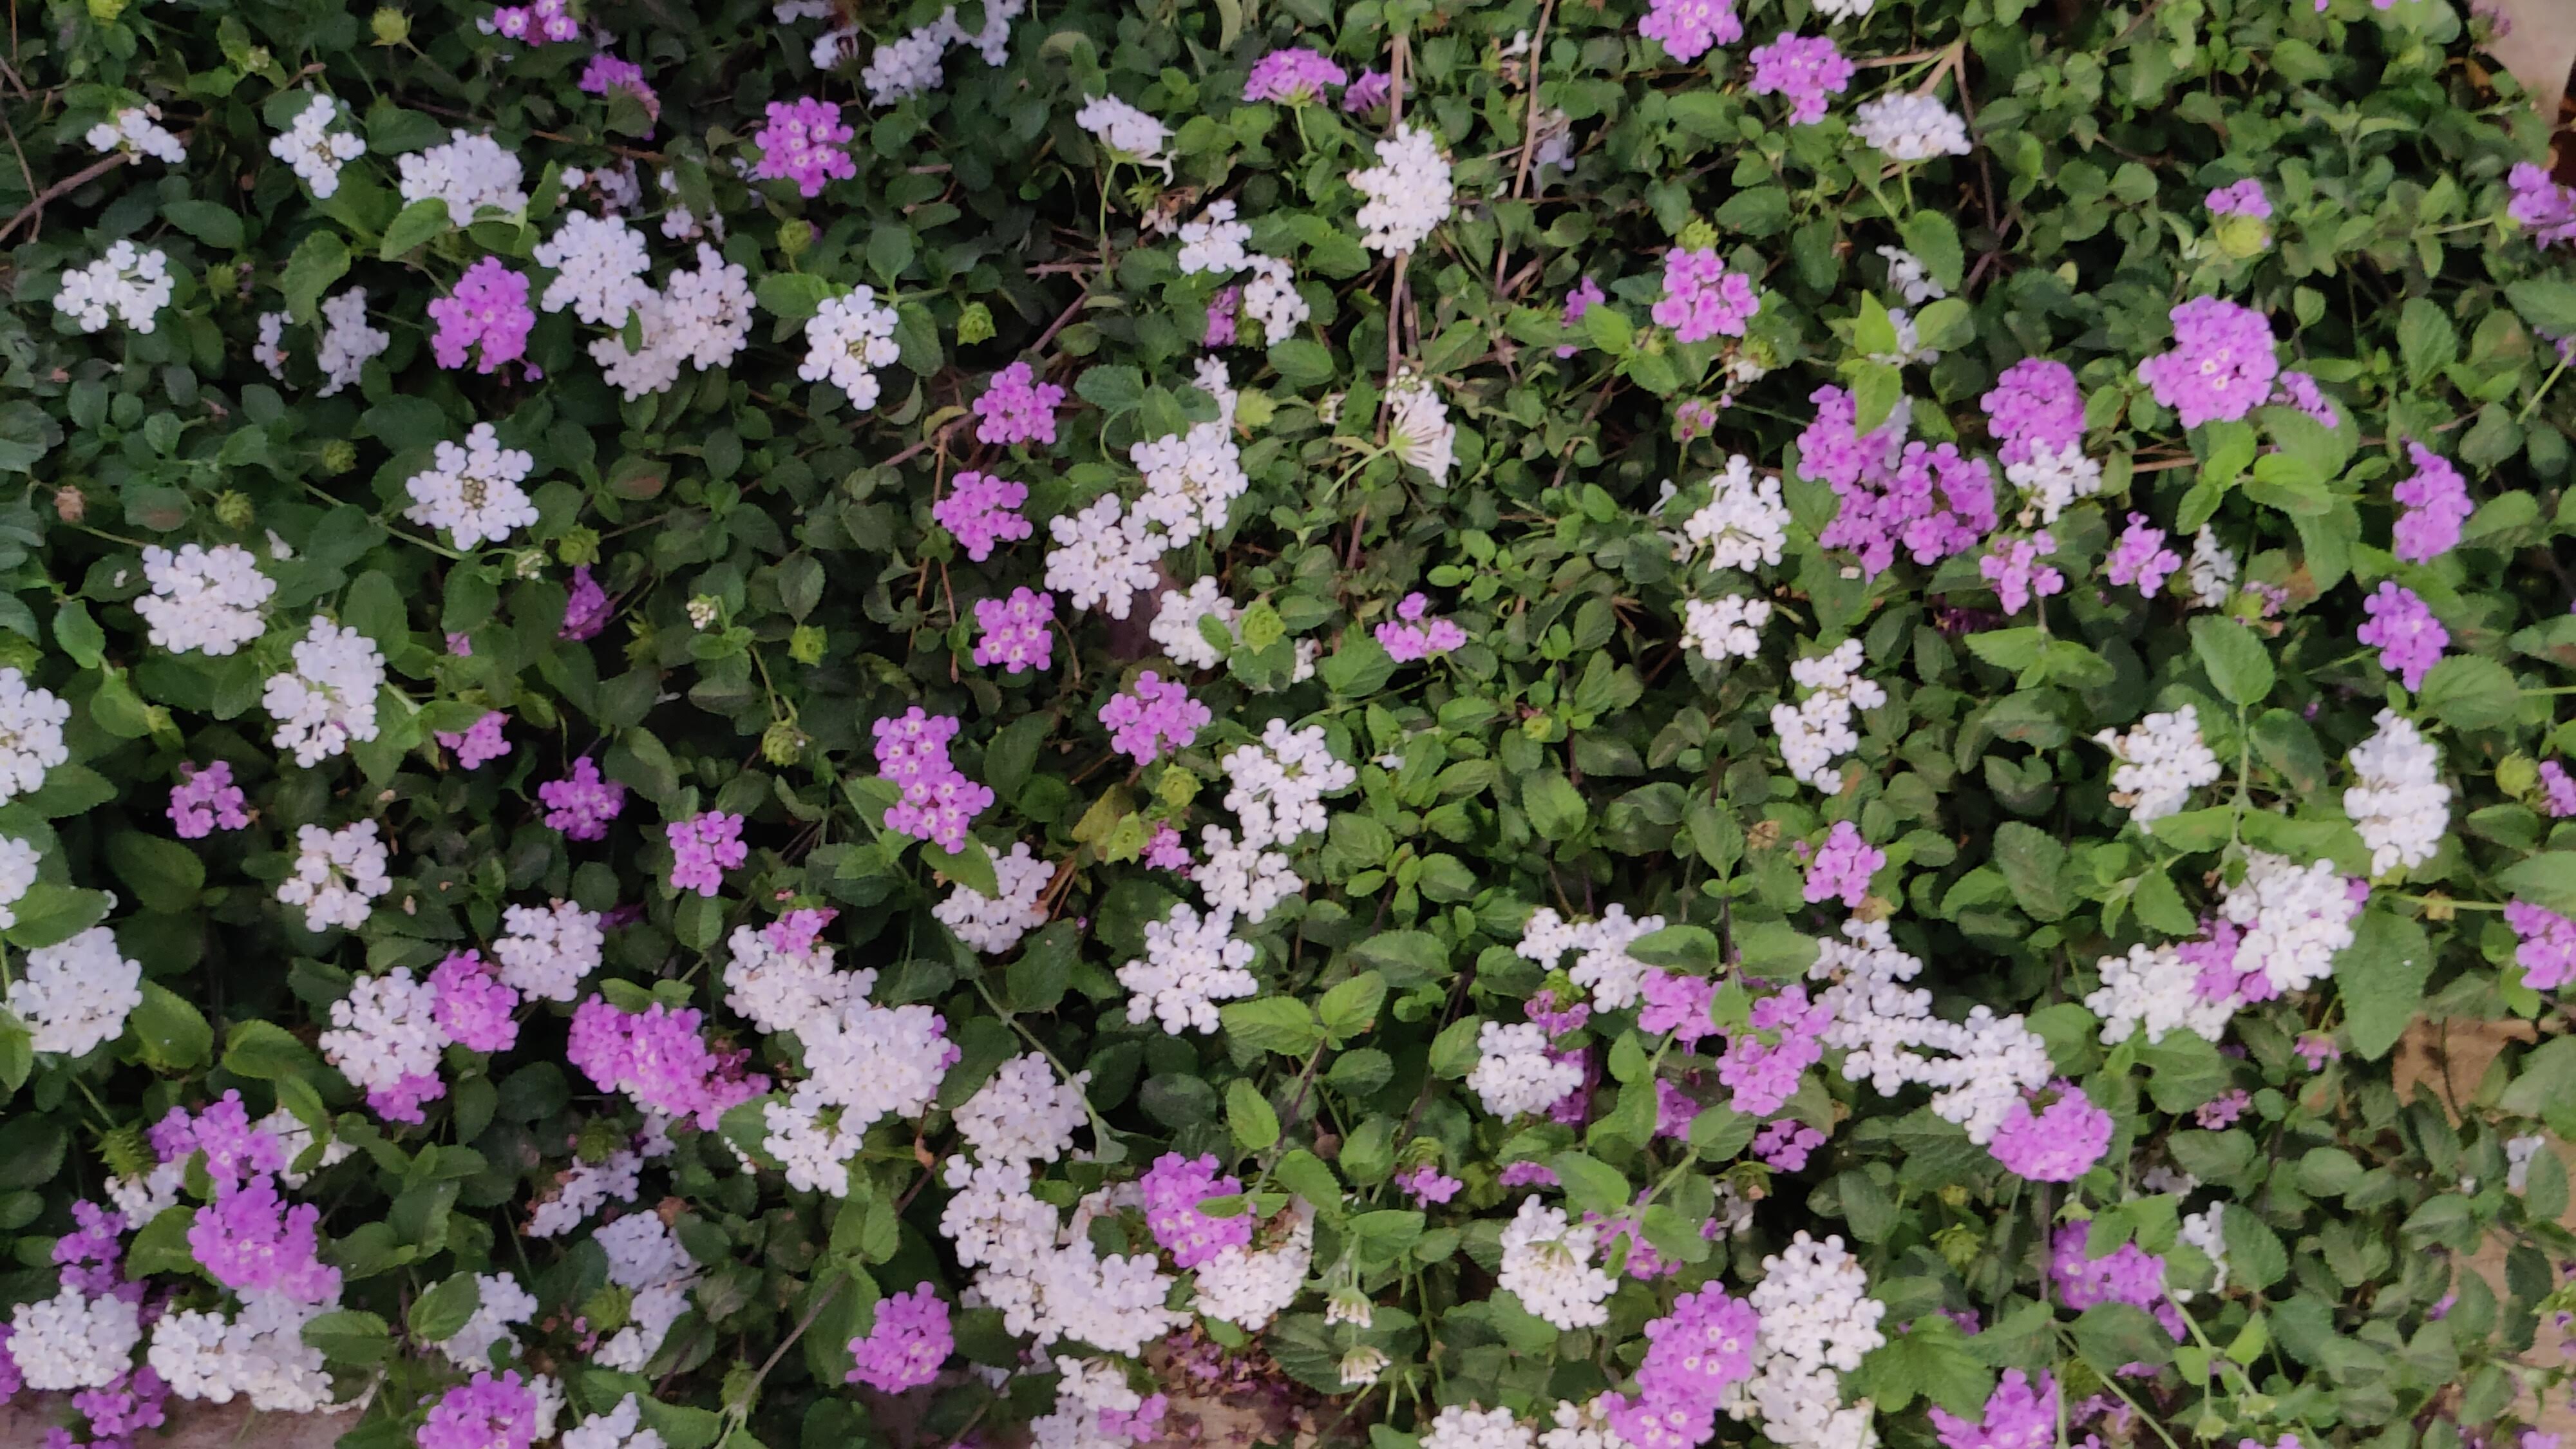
x,y
70,184
1529,129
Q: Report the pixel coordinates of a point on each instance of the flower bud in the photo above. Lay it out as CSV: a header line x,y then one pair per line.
x,y
339,455
233,509
579,545
390,26
805,646
975,324
1361,1366
795,237
782,743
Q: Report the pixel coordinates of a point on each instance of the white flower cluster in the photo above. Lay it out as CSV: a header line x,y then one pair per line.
x,y
1024,1113
911,66
2205,1230
863,1063
258,1354
73,1340
1278,785
1818,1320
1271,298
383,1031
2295,918
545,951
1547,1265
1103,556
1190,479
137,131
2052,478
2162,760
2212,571
1212,379
701,318
315,152
1886,1027
781,990
473,491
619,1428
2153,988
203,598
1514,1072
846,341
499,1303
1248,1287
468,173
1818,731
1911,279
1458,1426
1408,192
1046,1277
1583,1426
329,697
2397,800
76,994
1214,242
646,1260
1190,964
1418,426
1244,880
31,734
1910,126
19,862
337,873
1176,623
599,265
1087,1392
584,1189
1723,629
1129,133
994,924
2518,1153
1743,524
130,285
348,343
1604,966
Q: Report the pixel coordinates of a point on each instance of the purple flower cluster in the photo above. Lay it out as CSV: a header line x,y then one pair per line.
x,y
1784,1144
252,1242
2128,1274
2300,391
536,23
1674,1002
1694,1354
1763,1073
488,1413
2220,1113
1702,299
2019,1415
1153,718
586,608
2545,945
473,1004
2139,556
908,1343
606,71
1842,868
2559,790
205,800
1370,91
481,742
489,307
1578,300
1292,74
1427,1184
703,848
2059,1143
912,752
1166,851
2544,208
2035,405
1806,69
1408,637
1017,631
2402,628
1017,408
2242,198
1934,503
2221,366
1174,1187
118,1413
2436,500
2014,568
657,1057
581,804
805,141
88,1255
1687,28
1220,317
1528,1174
982,510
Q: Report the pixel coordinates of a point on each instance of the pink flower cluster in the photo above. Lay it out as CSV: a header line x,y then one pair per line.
x,y
1292,74
488,1413
2014,568
606,71
2035,405
1017,631
982,510
88,1255
657,1057
118,1413
2544,208
2220,1113
1153,718
1528,1174
1578,300
1842,868
2243,198
581,804
473,1005
1763,1073
235,1150
2139,556
1427,1184
2018,1415
703,848
1174,1187
1784,1144
1220,317
205,800
489,307
2059,1143
1694,1354
1933,502
1674,1002
1166,852
1369,92
908,1343
1408,637
1702,299
1806,69
2299,390
1017,408
586,608
912,752
536,23
2558,790
252,1242
2402,628
2436,500
2221,366
1687,28
805,141
2128,1274
2545,945
481,743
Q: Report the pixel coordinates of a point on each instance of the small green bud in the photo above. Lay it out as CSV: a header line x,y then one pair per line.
x,y
782,743
2242,236
579,545
975,324
1698,236
106,11
1177,787
339,455
390,26
1253,410
795,237
805,646
233,509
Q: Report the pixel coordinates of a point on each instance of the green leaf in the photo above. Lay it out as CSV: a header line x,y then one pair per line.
x,y
1406,958
321,260
2470,692
1249,1116
414,227
1590,1183
1934,241
265,1051
173,1033
1945,325
1556,808
217,226
794,296
1279,1024
2111,1336
2547,879
2255,1256
1351,1007
2191,831
2547,302
1299,361
2381,978
2425,339
163,874
2237,661
2034,865
162,1245
440,1313
1930,1359
971,867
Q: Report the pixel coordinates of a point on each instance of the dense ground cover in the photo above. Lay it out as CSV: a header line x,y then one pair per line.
x,y
1605,724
